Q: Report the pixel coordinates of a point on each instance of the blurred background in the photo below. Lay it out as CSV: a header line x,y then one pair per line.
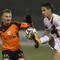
x,y
33,7
21,8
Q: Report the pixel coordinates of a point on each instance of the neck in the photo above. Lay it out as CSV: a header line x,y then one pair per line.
x,y
50,15
6,24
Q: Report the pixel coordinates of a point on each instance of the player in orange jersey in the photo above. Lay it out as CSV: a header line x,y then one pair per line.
x,y
9,31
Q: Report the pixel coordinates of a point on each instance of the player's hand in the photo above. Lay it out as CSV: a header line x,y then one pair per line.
x,y
53,31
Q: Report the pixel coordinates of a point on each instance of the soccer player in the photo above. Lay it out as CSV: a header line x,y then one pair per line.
x,y
9,31
28,19
52,23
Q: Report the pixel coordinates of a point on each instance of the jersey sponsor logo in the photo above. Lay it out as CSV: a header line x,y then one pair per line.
x,y
10,37
58,20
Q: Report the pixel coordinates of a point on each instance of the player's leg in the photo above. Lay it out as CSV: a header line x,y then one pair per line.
x,y
6,55
21,56
47,38
21,59
57,48
57,56
6,59
18,55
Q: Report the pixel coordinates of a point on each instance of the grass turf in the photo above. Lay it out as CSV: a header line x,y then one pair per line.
x,y
41,53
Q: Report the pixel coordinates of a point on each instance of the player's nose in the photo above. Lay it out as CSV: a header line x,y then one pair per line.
x,y
8,18
43,12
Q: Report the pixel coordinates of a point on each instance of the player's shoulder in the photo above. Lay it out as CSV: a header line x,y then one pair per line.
x,y
0,25
15,22
56,16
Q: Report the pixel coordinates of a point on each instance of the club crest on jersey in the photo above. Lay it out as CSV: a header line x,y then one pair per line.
x,y
9,32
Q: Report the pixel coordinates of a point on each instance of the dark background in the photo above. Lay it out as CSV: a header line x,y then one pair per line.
x,y
32,7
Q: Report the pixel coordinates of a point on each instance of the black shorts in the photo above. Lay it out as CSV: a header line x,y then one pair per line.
x,y
12,55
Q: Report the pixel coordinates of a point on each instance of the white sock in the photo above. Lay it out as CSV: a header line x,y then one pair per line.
x,y
44,39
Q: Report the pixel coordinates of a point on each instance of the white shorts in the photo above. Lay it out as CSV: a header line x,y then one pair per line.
x,y
57,44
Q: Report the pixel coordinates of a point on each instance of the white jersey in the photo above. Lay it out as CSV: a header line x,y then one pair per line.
x,y
54,22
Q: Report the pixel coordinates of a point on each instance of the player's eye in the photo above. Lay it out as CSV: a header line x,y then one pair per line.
x,y
43,10
6,16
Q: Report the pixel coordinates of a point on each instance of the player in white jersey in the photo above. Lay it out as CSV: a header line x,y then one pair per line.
x,y
52,23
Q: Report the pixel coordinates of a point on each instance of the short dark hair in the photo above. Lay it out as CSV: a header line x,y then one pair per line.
x,y
48,6
28,17
5,11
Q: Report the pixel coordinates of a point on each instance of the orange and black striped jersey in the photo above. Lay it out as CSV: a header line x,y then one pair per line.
x,y
10,34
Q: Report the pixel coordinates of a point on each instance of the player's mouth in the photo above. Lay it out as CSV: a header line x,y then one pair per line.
x,y
8,21
44,15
